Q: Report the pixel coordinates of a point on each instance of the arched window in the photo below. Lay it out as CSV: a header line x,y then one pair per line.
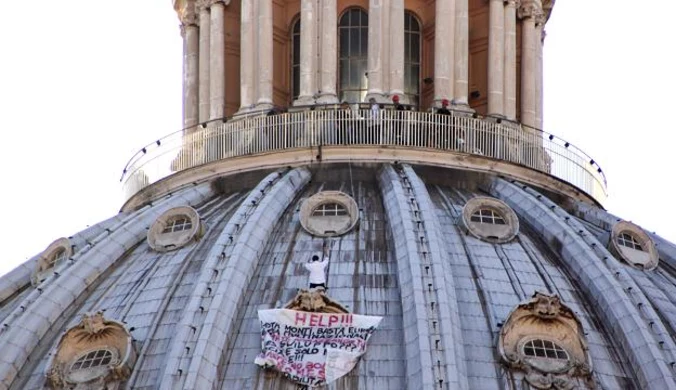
x,y
295,58
412,39
353,55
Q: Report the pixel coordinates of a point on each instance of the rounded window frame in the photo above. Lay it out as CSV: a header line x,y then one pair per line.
x,y
646,258
490,232
49,260
316,225
162,241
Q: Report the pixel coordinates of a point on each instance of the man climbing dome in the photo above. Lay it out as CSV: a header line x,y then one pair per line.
x,y
317,271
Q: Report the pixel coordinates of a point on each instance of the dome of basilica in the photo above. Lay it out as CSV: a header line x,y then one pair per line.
x,y
440,242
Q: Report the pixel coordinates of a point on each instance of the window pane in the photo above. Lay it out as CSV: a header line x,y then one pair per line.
x,y
415,48
344,72
354,42
344,42
345,19
415,26
364,42
355,76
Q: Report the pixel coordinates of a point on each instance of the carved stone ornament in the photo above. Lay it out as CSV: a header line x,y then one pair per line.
x,y
545,318
316,301
531,9
512,3
188,14
94,354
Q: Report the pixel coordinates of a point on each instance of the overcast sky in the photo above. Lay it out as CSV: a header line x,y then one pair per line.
x,y
85,84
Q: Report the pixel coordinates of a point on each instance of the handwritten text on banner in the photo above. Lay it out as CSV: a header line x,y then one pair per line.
x,y
313,348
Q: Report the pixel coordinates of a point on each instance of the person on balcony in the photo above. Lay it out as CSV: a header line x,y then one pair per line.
x,y
398,121
317,271
444,108
373,130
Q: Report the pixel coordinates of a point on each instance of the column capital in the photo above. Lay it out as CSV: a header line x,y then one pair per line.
x,y
512,3
188,16
206,4
531,9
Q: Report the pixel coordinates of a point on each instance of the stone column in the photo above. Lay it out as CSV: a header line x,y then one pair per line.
x,y
204,48
496,58
375,52
265,55
539,98
190,33
529,12
217,61
329,52
308,53
247,56
444,51
396,65
461,89
510,59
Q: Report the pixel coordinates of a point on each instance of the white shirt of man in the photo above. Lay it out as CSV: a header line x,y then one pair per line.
x,y
375,109
317,270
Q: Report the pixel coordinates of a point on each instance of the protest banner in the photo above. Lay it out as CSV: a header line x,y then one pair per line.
x,y
313,348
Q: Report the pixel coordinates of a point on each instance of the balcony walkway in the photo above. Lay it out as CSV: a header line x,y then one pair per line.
x,y
459,139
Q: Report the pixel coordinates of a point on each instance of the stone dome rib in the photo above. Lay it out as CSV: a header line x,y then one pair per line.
x,y
193,316
585,262
422,261
241,265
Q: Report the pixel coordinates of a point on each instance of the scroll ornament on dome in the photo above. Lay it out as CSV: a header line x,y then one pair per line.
x,y
93,334
544,319
313,340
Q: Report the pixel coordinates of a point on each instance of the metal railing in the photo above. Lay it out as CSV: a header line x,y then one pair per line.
x,y
458,132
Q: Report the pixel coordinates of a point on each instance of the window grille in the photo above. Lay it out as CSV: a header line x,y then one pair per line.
x,y
177,225
56,257
544,349
628,240
329,209
487,216
93,359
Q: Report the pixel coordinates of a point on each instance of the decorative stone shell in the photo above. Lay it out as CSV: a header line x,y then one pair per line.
x,y
45,265
647,259
164,242
328,226
497,234
94,332
545,317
